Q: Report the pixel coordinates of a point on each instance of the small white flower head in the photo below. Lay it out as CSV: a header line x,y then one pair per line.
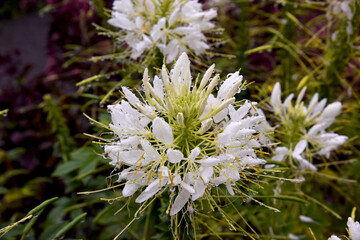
x,y
306,219
172,26
354,229
302,129
183,138
342,10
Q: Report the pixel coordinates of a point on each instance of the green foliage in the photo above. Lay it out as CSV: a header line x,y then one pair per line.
x,y
58,126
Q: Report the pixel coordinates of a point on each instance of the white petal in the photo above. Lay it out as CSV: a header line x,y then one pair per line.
x,y
228,85
206,77
162,131
180,202
253,161
130,189
177,180
288,99
345,7
199,190
331,111
210,161
318,107
281,152
314,101
229,188
122,21
150,153
299,148
275,99
131,141
194,153
206,173
130,157
221,115
170,50
139,48
173,16
157,30
189,188
301,95
133,100
159,87
206,125
333,237
316,129
149,192
182,66
305,164
306,219
149,5
231,173
240,113
174,156
354,229
124,6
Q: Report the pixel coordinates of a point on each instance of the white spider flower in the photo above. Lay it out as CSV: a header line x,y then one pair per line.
x,y
302,129
354,230
172,26
183,138
341,9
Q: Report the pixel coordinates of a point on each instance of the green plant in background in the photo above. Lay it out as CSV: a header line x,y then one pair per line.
x,y
59,127
55,232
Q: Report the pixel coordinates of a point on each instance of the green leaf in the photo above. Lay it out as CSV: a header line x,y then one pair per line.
x,y
42,206
69,226
66,167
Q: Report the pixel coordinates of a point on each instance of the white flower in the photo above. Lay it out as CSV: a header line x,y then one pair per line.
x,y
183,138
342,9
302,130
180,28
354,229
306,219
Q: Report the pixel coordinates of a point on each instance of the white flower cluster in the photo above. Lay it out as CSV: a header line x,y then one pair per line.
x,y
184,138
354,230
173,26
342,7
304,128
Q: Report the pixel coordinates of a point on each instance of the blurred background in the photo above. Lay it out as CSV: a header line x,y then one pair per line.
x,y
45,50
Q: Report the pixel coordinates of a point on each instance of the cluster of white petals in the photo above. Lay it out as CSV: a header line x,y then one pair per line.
x,y
306,125
173,26
339,8
354,230
183,138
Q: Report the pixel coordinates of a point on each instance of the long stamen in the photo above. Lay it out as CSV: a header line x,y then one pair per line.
x,y
254,136
253,168
137,169
252,105
261,152
149,177
139,158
